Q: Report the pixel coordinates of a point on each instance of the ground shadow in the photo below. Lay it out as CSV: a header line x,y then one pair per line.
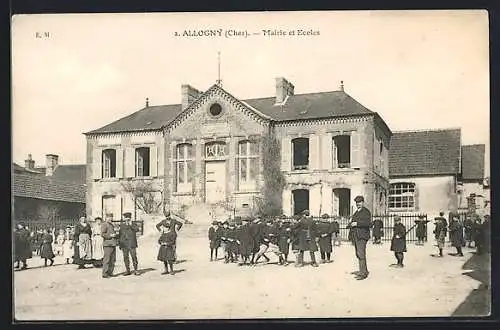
x,y
42,266
179,270
180,261
478,302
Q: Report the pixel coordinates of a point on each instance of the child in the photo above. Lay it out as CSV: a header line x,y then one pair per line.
x,y
46,251
336,232
214,240
166,252
440,232
68,245
284,239
225,241
59,242
398,244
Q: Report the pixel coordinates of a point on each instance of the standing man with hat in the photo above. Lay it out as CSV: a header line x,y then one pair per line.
x,y
109,245
128,242
398,242
308,236
360,224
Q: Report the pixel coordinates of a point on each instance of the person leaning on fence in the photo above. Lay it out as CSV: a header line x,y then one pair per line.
x,y
398,242
421,230
377,231
456,235
360,224
441,227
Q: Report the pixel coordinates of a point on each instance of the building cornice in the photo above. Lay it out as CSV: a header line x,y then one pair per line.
x,y
327,120
143,132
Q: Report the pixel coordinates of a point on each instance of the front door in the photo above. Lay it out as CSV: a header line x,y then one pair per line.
x,y
215,184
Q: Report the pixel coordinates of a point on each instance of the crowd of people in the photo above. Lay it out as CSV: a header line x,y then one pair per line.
x,y
246,242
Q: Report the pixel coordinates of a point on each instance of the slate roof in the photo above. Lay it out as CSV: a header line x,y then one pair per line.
x,y
47,188
296,107
473,162
429,152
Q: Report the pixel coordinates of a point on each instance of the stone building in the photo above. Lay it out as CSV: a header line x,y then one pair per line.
x,y
210,149
430,171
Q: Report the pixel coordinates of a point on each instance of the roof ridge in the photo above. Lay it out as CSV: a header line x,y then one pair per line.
x,y
429,130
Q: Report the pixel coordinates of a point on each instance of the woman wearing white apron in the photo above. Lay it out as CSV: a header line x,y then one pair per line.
x,y
83,234
97,247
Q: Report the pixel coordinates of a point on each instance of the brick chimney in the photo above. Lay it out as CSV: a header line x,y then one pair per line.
x,y
189,94
29,163
284,88
51,162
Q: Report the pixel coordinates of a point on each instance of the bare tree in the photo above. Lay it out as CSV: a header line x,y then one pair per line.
x,y
144,194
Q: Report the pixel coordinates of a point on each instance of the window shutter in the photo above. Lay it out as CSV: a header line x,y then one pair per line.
x,y
334,154
287,202
129,162
327,151
286,154
326,200
314,152
153,161
117,208
119,163
355,150
97,164
335,205
161,160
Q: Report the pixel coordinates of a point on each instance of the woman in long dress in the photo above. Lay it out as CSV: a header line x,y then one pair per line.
x,y
83,234
97,243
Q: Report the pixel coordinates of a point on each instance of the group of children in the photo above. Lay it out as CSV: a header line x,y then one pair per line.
x,y
247,241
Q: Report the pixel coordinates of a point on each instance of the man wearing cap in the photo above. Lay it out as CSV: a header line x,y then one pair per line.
x,y
398,242
22,247
360,224
256,231
128,242
109,245
325,231
308,236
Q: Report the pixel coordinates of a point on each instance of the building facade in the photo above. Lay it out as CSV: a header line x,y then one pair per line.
x,y
430,171
210,149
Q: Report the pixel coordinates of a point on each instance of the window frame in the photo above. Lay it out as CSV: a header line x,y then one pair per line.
x,y
300,167
402,196
184,160
336,150
108,171
139,158
248,157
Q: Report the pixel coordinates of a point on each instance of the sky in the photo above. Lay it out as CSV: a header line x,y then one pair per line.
x,y
73,73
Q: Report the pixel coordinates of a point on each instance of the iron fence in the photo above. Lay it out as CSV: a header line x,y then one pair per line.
x,y
139,223
408,220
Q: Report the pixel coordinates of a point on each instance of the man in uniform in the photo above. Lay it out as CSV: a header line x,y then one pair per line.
x,y
308,237
109,245
128,242
360,226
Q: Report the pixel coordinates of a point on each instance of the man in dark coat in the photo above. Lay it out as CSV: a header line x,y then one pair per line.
x,y
457,234
421,230
22,248
284,240
486,233
257,232
477,235
377,231
245,241
360,225
214,240
440,231
325,232
128,243
398,243
109,243
308,237
468,230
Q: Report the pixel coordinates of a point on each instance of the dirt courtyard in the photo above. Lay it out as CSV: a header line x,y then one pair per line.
x,y
427,286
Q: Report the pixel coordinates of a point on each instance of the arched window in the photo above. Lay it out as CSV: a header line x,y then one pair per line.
x,y
109,163
402,196
248,166
300,153
184,167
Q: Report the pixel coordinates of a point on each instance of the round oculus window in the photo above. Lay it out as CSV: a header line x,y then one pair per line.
x,y
215,109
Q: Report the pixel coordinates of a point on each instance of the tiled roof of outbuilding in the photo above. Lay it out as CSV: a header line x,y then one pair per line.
x,y
429,152
47,188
